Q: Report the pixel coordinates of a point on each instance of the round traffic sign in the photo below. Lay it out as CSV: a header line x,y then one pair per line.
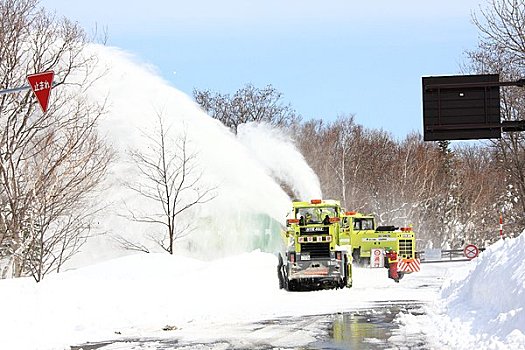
x,y
471,251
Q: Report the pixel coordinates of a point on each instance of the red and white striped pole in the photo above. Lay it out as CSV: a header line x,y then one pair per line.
x,y
501,225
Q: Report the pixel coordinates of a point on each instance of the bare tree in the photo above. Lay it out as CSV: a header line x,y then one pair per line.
x,y
481,197
340,154
50,162
448,196
413,184
68,170
501,27
248,104
171,178
502,50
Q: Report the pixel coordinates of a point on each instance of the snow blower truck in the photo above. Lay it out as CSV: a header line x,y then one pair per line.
x,y
361,233
312,257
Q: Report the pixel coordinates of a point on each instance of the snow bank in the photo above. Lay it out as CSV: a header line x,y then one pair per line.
x,y
482,305
129,295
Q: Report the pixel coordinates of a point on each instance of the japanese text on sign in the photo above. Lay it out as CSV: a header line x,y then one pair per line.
x,y
42,85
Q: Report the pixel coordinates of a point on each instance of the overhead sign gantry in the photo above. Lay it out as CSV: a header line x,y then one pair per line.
x,y
465,107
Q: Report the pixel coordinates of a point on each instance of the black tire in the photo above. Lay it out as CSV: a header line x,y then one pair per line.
x,y
344,280
349,279
341,284
280,272
345,269
289,285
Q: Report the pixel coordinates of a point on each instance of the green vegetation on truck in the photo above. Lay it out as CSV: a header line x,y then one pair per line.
x,y
312,256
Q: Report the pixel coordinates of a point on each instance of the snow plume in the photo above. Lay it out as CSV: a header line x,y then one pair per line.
x,y
249,205
276,151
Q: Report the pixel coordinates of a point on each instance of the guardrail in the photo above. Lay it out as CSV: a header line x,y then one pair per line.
x,y
447,255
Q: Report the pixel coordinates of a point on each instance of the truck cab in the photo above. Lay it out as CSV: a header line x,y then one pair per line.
x,y
364,235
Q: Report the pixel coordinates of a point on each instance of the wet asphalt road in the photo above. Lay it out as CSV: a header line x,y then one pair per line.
x,y
372,328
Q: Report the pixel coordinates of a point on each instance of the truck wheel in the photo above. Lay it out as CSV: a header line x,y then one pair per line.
x,y
341,284
348,274
280,272
350,279
289,285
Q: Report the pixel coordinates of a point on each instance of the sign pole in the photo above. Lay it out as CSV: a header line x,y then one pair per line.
x,y
11,91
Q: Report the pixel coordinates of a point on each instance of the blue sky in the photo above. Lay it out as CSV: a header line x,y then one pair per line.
x,y
327,57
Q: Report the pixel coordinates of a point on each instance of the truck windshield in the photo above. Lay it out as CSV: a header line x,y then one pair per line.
x,y
315,215
364,224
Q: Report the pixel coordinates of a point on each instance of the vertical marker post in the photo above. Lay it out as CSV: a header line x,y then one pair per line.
x,y
501,225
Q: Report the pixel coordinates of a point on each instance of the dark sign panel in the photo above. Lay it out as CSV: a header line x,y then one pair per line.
x,y
461,107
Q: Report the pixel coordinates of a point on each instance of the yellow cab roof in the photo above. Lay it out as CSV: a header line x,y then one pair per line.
x,y
323,204
355,214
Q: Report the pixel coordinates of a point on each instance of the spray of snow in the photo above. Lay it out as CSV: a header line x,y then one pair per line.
x,y
276,151
249,205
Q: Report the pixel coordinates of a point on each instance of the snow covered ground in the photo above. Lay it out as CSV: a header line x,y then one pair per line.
x,y
481,304
139,295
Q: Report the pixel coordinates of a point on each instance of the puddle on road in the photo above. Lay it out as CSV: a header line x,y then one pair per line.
x,y
371,328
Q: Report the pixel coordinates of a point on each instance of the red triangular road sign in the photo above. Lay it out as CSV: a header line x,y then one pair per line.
x,y
41,84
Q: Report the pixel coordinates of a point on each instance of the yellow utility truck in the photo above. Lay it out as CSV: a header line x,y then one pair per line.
x,y
312,256
361,232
